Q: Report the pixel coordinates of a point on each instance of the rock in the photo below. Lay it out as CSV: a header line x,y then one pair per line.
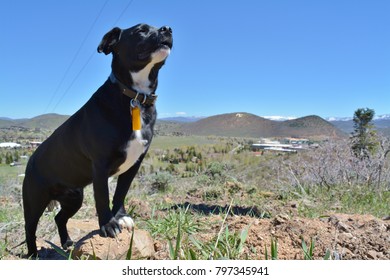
x,y
372,254
342,227
93,246
348,235
96,247
280,219
294,204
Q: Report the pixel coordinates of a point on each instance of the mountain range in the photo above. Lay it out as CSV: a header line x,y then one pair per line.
x,y
47,121
345,124
381,123
232,124
249,125
376,118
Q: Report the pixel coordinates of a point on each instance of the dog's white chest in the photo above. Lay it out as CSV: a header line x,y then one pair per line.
x,y
135,148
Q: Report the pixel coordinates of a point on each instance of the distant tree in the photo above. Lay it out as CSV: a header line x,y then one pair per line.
x,y
364,138
8,158
16,156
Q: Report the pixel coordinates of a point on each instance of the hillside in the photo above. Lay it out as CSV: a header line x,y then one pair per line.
x,y
381,124
47,121
309,126
249,125
241,195
234,124
231,125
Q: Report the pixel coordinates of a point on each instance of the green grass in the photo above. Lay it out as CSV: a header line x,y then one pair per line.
x,y
318,201
363,200
7,173
308,252
241,178
174,220
10,215
169,142
273,251
226,245
3,248
179,229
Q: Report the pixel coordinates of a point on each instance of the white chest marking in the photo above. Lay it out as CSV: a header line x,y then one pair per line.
x,y
135,148
141,81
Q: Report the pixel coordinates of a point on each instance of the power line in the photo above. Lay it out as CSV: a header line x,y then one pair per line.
x,y
73,60
74,80
123,11
90,57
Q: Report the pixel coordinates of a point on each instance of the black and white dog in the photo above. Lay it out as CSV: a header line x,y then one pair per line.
x,y
99,140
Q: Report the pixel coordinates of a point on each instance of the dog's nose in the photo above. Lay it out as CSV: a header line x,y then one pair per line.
x,y
166,29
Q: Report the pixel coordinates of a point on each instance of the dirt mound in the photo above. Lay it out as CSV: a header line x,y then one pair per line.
x,y
348,237
360,237
345,236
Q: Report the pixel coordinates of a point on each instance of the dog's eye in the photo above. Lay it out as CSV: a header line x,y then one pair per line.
x,y
141,31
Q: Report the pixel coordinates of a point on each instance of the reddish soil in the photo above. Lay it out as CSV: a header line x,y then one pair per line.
x,y
356,237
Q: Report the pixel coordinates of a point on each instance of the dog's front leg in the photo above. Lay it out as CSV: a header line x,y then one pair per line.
x,y
109,226
123,185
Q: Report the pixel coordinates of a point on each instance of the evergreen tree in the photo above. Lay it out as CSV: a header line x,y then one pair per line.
x,y
364,139
8,158
16,156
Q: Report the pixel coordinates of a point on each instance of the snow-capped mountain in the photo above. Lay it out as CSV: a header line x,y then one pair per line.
x,y
279,118
382,117
381,122
346,119
338,119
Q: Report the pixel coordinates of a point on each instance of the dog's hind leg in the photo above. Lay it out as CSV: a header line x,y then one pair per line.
x,y
70,204
34,203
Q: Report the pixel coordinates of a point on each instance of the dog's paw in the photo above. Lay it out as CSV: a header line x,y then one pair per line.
x,y
126,222
144,142
111,229
69,243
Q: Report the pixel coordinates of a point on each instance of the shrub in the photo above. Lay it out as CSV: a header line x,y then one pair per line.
x,y
215,169
161,181
203,180
334,164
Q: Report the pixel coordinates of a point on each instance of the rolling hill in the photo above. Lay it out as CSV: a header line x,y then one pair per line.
x,y
232,124
249,125
310,127
47,121
346,125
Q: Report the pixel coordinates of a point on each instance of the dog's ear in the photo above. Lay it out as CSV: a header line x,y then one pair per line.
x,y
109,40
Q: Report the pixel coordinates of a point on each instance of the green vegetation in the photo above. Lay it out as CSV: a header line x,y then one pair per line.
x,y
221,172
274,250
172,142
364,138
173,223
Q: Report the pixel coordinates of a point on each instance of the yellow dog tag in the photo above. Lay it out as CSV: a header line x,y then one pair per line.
x,y
136,118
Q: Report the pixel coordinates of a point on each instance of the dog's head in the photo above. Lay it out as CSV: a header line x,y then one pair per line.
x,y
138,53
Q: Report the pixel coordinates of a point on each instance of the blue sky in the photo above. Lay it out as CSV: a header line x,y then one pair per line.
x,y
285,58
